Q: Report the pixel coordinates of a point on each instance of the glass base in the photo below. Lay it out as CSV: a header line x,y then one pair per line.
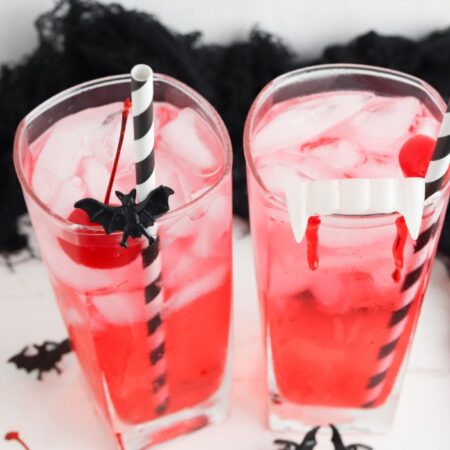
x,y
285,416
145,435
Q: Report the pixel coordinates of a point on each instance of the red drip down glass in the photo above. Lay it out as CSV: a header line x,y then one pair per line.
x,y
340,307
154,372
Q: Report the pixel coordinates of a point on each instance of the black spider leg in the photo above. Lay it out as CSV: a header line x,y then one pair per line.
x,y
54,349
308,443
336,439
39,351
55,354
287,445
359,447
339,443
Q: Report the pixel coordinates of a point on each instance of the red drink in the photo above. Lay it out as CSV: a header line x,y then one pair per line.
x,y
102,288
339,308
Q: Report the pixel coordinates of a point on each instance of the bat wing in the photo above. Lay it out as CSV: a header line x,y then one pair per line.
x,y
155,205
111,218
26,362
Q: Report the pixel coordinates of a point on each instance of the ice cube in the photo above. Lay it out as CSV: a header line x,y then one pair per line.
x,y
164,113
388,117
119,308
189,139
71,140
69,192
45,185
338,154
275,176
211,229
95,176
377,166
353,289
67,271
384,121
179,264
427,126
206,281
305,119
171,173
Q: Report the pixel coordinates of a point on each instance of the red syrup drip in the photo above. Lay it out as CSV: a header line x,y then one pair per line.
x,y
125,112
312,242
398,248
14,436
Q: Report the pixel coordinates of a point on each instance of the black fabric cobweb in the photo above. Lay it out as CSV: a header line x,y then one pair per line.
x,y
80,40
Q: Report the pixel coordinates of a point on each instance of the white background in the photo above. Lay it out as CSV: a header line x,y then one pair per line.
x,y
307,25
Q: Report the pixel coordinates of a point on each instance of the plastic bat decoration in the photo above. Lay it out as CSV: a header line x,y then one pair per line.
x,y
336,439
46,357
308,443
131,218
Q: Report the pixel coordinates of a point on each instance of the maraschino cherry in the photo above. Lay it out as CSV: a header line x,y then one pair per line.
x,y
415,155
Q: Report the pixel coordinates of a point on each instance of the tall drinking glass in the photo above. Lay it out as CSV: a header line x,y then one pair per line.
x,y
154,374
340,307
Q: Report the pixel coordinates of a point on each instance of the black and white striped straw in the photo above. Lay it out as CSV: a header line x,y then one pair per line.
x,y
144,138
411,287
440,160
419,263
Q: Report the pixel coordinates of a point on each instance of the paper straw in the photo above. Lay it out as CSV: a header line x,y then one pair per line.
x,y
399,318
142,107
440,160
434,178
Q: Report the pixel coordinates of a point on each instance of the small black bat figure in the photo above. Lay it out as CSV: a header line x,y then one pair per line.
x,y
131,218
336,439
308,443
46,358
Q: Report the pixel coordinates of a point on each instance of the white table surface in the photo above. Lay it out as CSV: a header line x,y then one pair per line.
x,y
55,414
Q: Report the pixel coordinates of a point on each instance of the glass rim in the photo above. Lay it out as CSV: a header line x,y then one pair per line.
x,y
310,72
204,105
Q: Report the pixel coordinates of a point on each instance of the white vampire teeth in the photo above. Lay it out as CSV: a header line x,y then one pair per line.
x,y
357,196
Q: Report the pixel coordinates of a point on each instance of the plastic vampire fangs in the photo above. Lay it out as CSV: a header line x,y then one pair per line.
x,y
131,218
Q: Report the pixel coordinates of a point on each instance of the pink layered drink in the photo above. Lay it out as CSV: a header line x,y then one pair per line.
x,y
339,308
100,286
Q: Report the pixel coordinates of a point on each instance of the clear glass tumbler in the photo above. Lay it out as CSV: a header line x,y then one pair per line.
x,y
147,392
337,337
